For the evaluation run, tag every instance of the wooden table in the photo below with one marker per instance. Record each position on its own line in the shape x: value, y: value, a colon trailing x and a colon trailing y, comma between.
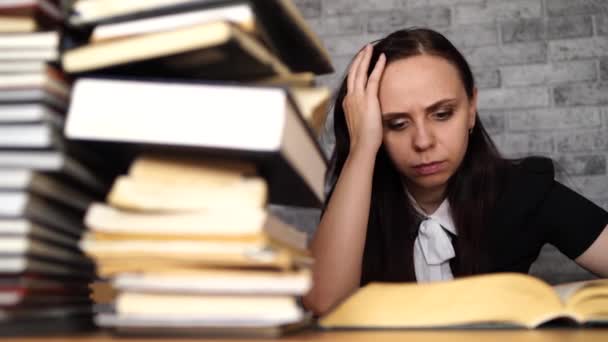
x: 543, y: 335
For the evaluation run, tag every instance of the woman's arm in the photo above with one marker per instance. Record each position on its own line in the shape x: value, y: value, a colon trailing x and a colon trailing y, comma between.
x: 595, y: 258
x: 340, y: 237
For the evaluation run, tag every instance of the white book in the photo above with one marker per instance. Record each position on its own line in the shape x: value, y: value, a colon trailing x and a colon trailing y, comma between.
x: 46, y: 185
x: 53, y: 161
x: 93, y: 10
x: 36, y: 40
x: 40, y: 135
x: 25, y: 205
x: 19, y: 66
x: 209, y: 116
x: 25, y: 227
x: 45, y: 54
x: 212, y: 281
x: 30, y: 113
x: 21, y: 264
x: 240, y: 14
x: 23, y: 245
x: 33, y: 95
x: 46, y: 80
x: 211, y: 308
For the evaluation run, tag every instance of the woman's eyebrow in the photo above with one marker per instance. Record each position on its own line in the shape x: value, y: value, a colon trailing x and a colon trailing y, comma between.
x: 433, y: 107
x: 439, y: 104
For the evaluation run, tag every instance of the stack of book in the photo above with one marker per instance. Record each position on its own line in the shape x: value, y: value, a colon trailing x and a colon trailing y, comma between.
x: 214, y: 102
x: 44, y: 189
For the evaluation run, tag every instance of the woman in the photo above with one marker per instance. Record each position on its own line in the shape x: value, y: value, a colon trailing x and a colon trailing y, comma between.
x: 420, y: 192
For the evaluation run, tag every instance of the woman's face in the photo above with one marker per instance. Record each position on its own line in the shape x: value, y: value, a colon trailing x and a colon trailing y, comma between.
x: 426, y: 116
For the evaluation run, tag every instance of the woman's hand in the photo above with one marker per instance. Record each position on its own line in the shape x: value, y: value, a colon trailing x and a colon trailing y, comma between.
x: 361, y: 105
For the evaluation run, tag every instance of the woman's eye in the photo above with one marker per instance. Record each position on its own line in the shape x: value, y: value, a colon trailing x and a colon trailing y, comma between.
x: 397, y: 124
x: 443, y: 115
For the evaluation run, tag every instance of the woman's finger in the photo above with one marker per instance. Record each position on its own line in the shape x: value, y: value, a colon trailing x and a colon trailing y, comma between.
x: 361, y: 75
x: 374, y: 77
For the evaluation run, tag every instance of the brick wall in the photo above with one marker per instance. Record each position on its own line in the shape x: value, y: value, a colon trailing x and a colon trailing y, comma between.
x: 541, y: 67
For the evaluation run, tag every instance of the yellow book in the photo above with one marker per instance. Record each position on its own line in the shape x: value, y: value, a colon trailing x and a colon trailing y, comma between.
x: 184, y: 171
x: 132, y: 194
x: 108, y: 266
x: 506, y: 299
x: 254, y: 225
x: 313, y: 103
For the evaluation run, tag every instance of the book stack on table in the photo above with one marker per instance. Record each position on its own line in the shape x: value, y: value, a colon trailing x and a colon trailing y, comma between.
x: 46, y: 183
x: 214, y: 105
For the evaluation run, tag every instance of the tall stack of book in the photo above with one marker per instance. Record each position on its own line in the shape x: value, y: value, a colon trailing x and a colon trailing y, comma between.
x: 214, y: 101
x: 44, y: 189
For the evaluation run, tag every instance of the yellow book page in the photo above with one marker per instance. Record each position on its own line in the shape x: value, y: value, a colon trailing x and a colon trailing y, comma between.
x: 109, y: 266
x: 159, y: 168
x: 588, y: 300
x: 300, y: 79
x: 497, y: 298
x: 313, y: 104
x: 130, y: 194
x: 110, y: 223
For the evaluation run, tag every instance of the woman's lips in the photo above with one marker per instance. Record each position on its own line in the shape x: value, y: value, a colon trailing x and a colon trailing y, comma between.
x: 429, y: 169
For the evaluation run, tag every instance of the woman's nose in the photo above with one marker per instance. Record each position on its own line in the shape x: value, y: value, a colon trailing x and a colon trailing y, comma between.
x: 423, y: 138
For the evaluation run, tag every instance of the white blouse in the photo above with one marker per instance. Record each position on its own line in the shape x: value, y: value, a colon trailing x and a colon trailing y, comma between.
x: 433, y: 247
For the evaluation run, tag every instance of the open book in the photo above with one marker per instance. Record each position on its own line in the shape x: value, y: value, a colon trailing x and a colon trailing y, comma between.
x: 507, y: 299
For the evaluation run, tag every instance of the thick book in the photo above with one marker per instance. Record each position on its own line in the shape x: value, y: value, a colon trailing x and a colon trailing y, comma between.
x: 35, y: 40
x: 214, y: 50
x: 240, y: 14
x: 51, y: 79
x: 36, y: 231
x: 23, y: 205
x: 171, y: 326
x: 40, y: 135
x: 54, y: 162
x: 30, y: 113
x: 220, y: 308
x: 251, y: 224
x: 15, y: 265
x: 22, y: 66
x: 133, y: 194
x: 28, y: 247
x: 259, y: 124
x: 167, y: 183
x: 281, y: 20
x: 507, y: 300
x: 110, y: 263
x: 217, y: 281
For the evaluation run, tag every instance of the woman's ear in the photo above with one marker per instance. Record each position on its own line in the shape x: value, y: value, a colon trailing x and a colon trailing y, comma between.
x: 472, y: 109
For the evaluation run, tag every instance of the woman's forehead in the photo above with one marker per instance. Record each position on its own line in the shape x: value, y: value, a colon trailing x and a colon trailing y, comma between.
x: 419, y: 81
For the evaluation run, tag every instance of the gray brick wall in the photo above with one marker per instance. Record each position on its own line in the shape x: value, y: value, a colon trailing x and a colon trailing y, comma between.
x: 542, y: 70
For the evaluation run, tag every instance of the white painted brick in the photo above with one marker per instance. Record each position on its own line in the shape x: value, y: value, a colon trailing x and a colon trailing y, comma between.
x: 498, y: 10
x: 471, y: 35
x: 572, y: 94
x: 517, y: 145
x: 513, y: 98
x: 567, y: 49
x: 554, y: 118
x: 589, y: 186
x: 520, y: 53
x: 339, y: 7
x: 526, y: 75
x: 583, y: 141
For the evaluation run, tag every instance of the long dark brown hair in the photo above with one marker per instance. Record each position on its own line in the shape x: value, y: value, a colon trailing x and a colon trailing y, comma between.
x: 472, y: 190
